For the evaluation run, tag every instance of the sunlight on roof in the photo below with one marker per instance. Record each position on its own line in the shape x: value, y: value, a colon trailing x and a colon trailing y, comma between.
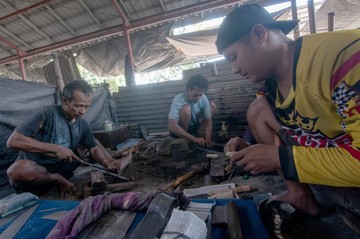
x: 209, y: 24
x: 214, y: 23
x: 280, y: 6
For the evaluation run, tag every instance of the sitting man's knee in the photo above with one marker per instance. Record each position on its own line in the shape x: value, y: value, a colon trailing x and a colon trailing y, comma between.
x: 260, y: 114
x: 258, y: 107
x: 21, y: 170
x: 185, y: 110
x: 212, y: 107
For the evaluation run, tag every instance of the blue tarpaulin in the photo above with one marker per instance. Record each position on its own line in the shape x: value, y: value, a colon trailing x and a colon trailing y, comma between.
x: 38, y: 227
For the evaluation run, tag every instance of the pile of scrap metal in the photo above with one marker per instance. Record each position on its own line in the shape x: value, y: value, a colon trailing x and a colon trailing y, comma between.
x: 131, y: 146
x: 152, y: 150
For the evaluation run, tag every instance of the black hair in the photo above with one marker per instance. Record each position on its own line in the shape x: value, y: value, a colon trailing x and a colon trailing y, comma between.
x: 80, y: 85
x: 197, y: 80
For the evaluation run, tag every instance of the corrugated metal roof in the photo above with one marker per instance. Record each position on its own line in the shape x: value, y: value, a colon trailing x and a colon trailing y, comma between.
x: 53, y: 21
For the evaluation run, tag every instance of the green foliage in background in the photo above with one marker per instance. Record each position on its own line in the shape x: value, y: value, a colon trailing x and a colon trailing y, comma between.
x: 167, y: 74
x: 113, y: 81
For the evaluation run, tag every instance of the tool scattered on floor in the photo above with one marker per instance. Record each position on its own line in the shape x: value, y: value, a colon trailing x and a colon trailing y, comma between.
x: 98, y: 182
x: 114, y: 224
x: 103, y: 170
x: 229, y: 215
x: 230, y: 193
x: 99, y: 168
x: 117, y: 187
x: 156, y: 217
x: 180, y: 180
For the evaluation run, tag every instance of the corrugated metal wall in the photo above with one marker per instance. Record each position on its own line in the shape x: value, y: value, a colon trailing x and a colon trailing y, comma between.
x: 148, y: 105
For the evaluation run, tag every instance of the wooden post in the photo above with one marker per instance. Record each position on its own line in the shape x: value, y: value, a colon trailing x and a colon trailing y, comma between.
x: 71, y: 66
x: 331, y: 21
x: 295, y: 17
x: 21, y: 66
x: 312, y: 20
x: 58, y: 74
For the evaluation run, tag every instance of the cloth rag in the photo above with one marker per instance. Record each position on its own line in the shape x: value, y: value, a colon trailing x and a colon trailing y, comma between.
x: 15, y: 202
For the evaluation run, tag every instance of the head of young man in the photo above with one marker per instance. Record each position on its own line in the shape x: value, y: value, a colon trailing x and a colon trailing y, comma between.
x: 244, y: 40
x: 76, y: 99
x: 196, y: 87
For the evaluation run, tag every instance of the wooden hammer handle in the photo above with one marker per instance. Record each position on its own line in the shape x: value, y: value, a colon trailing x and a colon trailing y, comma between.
x: 187, y: 176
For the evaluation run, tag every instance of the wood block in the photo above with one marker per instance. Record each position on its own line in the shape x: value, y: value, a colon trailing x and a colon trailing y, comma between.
x: 117, y: 187
x: 216, y: 168
x: 110, y: 139
x: 98, y: 182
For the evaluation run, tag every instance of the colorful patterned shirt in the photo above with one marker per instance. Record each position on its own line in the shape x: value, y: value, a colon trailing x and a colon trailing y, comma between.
x: 322, y: 111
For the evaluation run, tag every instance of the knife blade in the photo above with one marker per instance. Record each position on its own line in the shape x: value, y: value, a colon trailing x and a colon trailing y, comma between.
x: 103, y: 170
x: 99, y: 168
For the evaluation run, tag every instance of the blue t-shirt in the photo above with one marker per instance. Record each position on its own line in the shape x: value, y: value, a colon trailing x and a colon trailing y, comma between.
x: 200, y: 109
x: 49, y: 125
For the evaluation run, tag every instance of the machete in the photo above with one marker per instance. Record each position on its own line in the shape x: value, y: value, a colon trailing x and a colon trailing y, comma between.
x: 99, y: 168
x: 103, y: 170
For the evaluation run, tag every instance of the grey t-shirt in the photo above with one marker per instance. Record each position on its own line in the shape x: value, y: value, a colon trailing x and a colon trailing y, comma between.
x: 49, y: 125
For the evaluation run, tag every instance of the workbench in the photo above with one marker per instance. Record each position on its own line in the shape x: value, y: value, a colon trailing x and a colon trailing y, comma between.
x: 110, y: 139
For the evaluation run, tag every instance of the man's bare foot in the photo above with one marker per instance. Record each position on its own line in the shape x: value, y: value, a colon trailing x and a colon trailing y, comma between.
x: 300, y: 200
x: 65, y: 187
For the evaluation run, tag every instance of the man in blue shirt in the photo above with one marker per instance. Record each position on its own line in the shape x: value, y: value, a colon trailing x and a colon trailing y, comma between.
x: 191, y: 111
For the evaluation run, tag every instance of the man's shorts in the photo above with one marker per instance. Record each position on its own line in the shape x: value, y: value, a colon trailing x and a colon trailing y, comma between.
x: 348, y: 198
x: 64, y: 168
x: 191, y: 130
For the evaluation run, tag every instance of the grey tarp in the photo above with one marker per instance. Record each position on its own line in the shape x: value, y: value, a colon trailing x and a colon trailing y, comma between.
x: 202, y: 43
x: 196, y: 44
x: 150, y: 51
x: 18, y: 99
